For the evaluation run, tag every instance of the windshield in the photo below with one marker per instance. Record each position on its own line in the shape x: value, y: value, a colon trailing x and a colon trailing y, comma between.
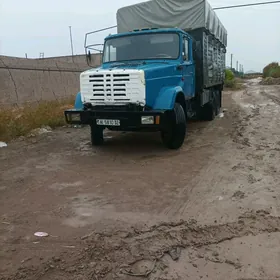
x: 141, y: 47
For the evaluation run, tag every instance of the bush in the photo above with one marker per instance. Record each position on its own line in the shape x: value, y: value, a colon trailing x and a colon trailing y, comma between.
x: 17, y: 122
x: 230, y: 81
x: 272, y: 70
x: 275, y: 72
x: 229, y: 75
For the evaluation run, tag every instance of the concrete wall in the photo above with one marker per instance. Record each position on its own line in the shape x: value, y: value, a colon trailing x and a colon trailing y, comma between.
x: 32, y: 80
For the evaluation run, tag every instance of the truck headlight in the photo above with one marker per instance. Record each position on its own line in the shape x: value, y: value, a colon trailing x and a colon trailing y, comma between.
x: 74, y: 117
x: 147, y: 120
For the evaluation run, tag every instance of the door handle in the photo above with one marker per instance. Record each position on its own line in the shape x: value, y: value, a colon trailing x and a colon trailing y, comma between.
x: 179, y: 67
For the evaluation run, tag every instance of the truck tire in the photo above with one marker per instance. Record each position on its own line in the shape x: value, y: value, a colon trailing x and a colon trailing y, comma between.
x: 208, y: 111
x: 174, y: 137
x: 218, y: 102
x: 96, y: 134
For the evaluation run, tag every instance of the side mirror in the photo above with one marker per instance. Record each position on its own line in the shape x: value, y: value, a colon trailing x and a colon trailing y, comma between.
x: 88, y: 55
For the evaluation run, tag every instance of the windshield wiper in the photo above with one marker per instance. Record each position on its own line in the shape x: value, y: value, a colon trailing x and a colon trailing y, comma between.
x: 137, y: 63
x: 128, y: 63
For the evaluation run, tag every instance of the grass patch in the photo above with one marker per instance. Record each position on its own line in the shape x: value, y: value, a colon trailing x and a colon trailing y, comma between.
x: 231, y: 82
x: 18, y: 122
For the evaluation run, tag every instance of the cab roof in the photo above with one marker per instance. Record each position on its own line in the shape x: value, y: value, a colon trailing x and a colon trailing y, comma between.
x: 148, y: 31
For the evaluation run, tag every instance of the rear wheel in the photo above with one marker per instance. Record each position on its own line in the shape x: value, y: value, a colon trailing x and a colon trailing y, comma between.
x: 173, y: 137
x: 209, y: 111
x: 218, y: 102
x: 96, y: 134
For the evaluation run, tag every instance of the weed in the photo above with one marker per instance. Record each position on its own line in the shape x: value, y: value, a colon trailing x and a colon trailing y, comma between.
x: 231, y: 82
x: 15, y: 122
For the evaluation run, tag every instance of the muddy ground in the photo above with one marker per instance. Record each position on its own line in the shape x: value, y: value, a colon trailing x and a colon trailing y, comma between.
x: 134, y: 210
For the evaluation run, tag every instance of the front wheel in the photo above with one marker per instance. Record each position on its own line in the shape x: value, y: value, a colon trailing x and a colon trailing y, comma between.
x: 96, y: 134
x: 173, y: 137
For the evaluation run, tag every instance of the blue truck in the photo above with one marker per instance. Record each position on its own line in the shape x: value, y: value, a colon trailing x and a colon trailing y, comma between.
x: 165, y: 65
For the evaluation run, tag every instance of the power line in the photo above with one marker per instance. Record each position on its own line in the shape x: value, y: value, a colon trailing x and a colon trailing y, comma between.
x: 218, y: 8
x: 246, y: 5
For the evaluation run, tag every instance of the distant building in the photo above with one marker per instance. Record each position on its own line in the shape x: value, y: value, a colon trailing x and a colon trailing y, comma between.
x: 251, y: 72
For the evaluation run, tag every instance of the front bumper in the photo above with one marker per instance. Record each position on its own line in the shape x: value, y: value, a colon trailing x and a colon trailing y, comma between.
x: 127, y: 120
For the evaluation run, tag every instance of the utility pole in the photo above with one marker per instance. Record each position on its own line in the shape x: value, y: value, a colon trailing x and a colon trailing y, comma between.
x: 71, y: 42
x: 231, y: 57
x: 237, y: 66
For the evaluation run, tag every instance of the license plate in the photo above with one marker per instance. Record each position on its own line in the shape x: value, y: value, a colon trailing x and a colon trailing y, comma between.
x: 108, y: 122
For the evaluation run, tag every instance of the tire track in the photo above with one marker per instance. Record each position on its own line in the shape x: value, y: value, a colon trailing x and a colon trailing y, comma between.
x: 111, y: 252
x: 272, y: 97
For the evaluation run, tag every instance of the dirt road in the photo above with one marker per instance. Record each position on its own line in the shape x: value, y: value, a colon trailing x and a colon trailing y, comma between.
x: 133, y: 210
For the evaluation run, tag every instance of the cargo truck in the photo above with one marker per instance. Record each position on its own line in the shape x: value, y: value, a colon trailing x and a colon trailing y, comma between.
x: 165, y: 65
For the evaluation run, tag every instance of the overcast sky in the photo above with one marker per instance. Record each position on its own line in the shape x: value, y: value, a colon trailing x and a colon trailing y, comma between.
x: 34, y: 26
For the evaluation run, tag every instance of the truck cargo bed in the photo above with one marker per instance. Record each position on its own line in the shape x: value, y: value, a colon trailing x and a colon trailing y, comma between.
x: 209, y: 56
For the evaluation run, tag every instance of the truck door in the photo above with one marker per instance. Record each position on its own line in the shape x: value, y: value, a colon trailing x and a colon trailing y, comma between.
x: 188, y: 69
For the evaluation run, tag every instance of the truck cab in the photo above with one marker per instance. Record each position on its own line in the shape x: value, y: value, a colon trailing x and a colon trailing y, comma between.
x: 145, y: 75
x: 142, y: 68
